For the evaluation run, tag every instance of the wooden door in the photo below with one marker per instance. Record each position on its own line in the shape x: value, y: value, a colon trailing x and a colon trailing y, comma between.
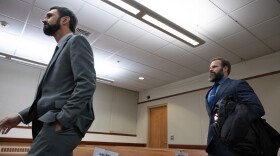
x: 158, y: 127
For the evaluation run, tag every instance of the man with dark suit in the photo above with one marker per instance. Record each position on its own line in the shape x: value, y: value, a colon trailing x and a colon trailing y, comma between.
x: 224, y: 86
x: 62, y: 111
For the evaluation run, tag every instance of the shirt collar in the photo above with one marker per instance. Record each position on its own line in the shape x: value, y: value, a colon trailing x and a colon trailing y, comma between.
x: 63, y: 39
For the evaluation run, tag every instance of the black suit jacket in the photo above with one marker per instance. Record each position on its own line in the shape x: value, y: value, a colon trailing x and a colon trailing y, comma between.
x: 242, y: 90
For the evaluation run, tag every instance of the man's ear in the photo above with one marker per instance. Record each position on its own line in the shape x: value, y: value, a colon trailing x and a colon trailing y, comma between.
x: 225, y: 69
x: 65, y: 20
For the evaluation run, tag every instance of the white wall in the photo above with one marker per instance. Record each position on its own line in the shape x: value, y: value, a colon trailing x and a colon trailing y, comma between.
x: 187, y: 117
x: 115, y: 108
x: 266, y: 64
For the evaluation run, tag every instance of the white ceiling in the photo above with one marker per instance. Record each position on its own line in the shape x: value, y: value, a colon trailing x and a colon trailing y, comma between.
x: 125, y: 48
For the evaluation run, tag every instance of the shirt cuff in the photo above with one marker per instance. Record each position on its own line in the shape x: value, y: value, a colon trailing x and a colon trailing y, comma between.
x: 21, y: 117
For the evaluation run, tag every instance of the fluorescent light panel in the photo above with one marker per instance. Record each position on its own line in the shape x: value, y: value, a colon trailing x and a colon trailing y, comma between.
x: 99, y: 79
x: 28, y: 62
x: 156, y: 20
x: 104, y: 80
x: 125, y: 6
x: 169, y: 29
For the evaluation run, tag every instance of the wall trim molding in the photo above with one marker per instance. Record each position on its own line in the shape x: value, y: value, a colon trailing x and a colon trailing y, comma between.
x: 177, y: 146
x: 91, y: 132
x: 195, y: 90
x: 27, y: 140
x: 180, y: 146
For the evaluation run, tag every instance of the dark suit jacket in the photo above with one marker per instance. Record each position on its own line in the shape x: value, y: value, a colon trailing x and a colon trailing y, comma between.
x: 242, y: 90
x: 65, y: 92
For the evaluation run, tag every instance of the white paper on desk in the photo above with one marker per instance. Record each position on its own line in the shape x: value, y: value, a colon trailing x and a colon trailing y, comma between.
x: 103, y: 152
x: 180, y: 153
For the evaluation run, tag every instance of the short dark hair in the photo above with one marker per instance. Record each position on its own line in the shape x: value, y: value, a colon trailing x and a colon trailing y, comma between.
x: 225, y: 63
x: 66, y: 12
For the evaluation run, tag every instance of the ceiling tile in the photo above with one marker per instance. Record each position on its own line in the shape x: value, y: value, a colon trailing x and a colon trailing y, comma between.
x: 273, y: 42
x: 118, y: 61
x: 230, y: 5
x: 238, y: 40
x: 149, y: 42
x: 185, y: 73
x: 28, y: 1
x: 211, y: 51
x: 131, y: 75
x: 129, y: 84
x: 138, y: 67
x: 105, y: 7
x: 93, y: 34
x: 100, y: 55
x: 36, y: 17
x: 108, y: 69
x: 14, y: 26
x: 33, y: 33
x: 188, y: 60
x: 108, y: 43
x: 120, y: 29
x: 75, y: 5
x: 222, y: 28
x: 132, y: 53
x: 161, y: 75
x: 15, y: 9
x: 8, y: 43
x: 152, y: 60
x: 152, y: 82
x: 34, y: 50
x: 200, y: 67
x: 170, y: 52
x: 170, y: 67
x: 253, y: 50
x: 256, y: 12
x: 267, y: 29
x: 98, y: 20
x: 207, y: 12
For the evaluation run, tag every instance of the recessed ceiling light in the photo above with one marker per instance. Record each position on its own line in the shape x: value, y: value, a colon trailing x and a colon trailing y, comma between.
x: 141, y: 78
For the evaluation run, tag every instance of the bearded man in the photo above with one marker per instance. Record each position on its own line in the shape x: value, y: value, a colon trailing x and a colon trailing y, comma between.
x: 62, y: 110
x: 223, y: 87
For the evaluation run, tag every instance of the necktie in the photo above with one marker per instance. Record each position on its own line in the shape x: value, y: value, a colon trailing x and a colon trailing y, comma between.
x: 212, y: 95
x: 56, y: 48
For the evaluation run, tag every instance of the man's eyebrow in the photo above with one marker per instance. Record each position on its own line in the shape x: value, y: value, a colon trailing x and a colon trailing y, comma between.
x: 49, y: 14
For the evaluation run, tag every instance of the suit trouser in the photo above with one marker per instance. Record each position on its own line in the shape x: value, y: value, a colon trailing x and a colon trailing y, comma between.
x: 52, y: 143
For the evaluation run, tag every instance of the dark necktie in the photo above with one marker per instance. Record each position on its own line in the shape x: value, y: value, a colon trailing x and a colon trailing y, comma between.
x: 56, y: 48
x: 212, y: 95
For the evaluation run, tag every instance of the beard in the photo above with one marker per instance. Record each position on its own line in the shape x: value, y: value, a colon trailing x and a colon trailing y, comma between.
x: 216, y: 77
x: 51, y: 29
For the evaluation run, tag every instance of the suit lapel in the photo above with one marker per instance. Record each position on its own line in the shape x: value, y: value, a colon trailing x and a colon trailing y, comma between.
x: 207, y: 104
x: 54, y: 58
x: 57, y: 54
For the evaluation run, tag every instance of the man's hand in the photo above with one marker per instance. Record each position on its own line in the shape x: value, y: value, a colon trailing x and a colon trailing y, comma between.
x: 58, y: 126
x: 216, y: 117
x: 8, y: 123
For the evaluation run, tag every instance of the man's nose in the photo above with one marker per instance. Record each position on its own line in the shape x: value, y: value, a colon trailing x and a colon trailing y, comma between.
x: 44, y: 21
